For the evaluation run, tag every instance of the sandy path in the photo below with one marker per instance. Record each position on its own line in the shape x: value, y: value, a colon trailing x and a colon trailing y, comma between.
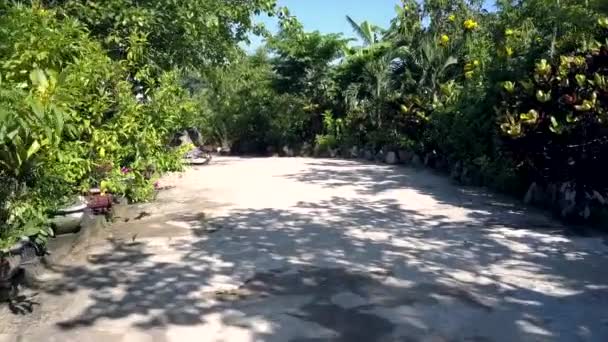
x: 316, y: 250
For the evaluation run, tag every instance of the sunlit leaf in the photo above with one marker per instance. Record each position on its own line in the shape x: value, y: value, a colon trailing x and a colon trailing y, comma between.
x: 33, y: 149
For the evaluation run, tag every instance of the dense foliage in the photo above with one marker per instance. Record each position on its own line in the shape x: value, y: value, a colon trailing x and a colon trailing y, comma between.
x: 505, y: 99
x: 92, y: 92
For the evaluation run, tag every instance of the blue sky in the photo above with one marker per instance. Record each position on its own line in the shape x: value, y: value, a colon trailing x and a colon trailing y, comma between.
x: 328, y: 16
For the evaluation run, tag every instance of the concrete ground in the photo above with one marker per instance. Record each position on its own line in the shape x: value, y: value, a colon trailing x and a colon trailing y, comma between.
x: 300, y: 249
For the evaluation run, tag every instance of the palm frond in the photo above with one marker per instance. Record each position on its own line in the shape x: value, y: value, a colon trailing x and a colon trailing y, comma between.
x: 364, y: 31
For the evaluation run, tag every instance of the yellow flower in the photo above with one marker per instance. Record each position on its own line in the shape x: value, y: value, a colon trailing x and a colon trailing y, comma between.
x: 468, y: 75
x: 452, y: 18
x: 509, y: 51
x: 470, y: 24
x: 476, y: 63
x: 445, y: 39
x: 508, y: 32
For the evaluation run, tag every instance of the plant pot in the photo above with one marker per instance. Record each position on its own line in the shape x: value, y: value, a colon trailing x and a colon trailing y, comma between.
x: 79, y: 205
x: 68, y: 219
x: 100, y: 204
x: 67, y: 224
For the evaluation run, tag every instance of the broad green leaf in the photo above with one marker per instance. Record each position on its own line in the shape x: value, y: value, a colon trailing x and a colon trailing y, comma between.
x: 11, y: 135
x: 30, y: 229
x: 34, y: 148
x: 37, y: 108
x: 38, y: 78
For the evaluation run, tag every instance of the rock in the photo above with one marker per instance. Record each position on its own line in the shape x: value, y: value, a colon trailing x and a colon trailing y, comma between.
x: 9, y: 266
x: 456, y: 171
x: 537, y: 195
x: 270, y: 150
x: 597, y: 196
x: 194, y: 153
x: 195, y: 136
x: 333, y: 152
x: 345, y: 152
x: 405, y: 156
x: 380, y: 156
x: 391, y: 158
x: 367, y: 154
x: 354, y: 152
x: 181, y: 139
x: 428, y: 159
x: 552, y: 192
x: 529, y: 197
x: 441, y: 163
x: 288, y: 151
x: 566, y: 208
x: 416, y: 161
x: 320, y: 153
x: 566, y: 200
x: 225, y: 151
x: 22, y: 253
x: 586, y: 212
x: 465, y: 177
x: 307, y: 149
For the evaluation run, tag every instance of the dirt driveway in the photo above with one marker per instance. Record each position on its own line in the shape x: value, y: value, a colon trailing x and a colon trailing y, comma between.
x: 301, y: 249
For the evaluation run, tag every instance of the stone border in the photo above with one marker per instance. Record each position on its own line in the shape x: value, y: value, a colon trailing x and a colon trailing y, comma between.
x: 58, y: 249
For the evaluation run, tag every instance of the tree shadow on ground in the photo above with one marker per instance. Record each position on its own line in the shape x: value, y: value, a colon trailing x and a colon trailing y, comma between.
x: 348, y: 269
x: 378, y: 179
x: 354, y: 269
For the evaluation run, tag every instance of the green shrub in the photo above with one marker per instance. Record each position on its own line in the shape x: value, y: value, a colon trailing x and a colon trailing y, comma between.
x: 67, y: 111
x: 325, y: 143
x: 556, y: 122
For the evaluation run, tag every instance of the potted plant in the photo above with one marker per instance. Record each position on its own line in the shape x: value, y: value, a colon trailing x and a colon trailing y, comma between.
x: 68, y: 218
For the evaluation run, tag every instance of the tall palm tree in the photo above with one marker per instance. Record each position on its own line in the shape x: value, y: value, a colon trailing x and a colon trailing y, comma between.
x: 367, y: 32
x: 425, y: 64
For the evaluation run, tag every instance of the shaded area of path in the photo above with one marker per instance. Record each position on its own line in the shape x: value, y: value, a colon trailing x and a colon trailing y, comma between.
x: 325, y: 250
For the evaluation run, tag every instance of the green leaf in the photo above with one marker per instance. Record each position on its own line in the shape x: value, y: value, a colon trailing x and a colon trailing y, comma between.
x: 39, y: 79
x: 554, y: 122
x: 30, y: 229
x: 530, y: 117
x: 37, y: 108
x: 543, y: 97
x: 580, y: 79
x: 59, y: 122
x: 555, y: 127
x: 35, y: 147
x: 13, y: 134
x: 508, y: 86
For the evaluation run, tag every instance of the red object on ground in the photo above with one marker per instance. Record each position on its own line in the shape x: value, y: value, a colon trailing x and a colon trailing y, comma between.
x: 100, y: 203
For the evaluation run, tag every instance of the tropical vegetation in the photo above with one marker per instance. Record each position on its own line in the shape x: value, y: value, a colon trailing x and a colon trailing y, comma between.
x: 91, y: 94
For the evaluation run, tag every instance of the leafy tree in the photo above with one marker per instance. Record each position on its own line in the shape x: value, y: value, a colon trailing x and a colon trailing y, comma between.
x: 167, y: 33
